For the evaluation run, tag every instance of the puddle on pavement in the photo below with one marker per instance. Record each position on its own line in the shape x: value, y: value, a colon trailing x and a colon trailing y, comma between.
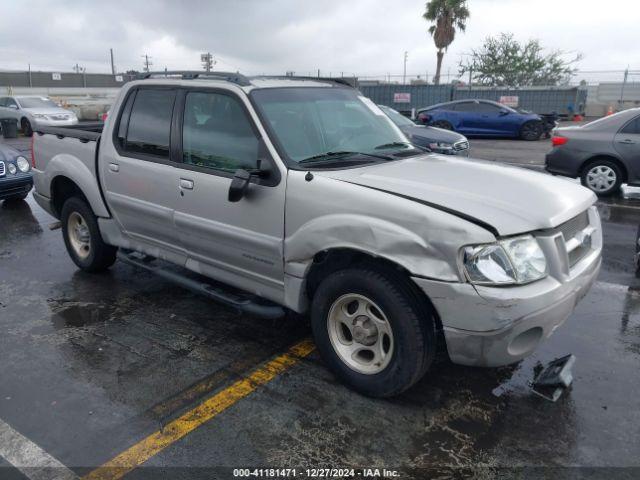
x: 74, y: 315
x: 80, y: 315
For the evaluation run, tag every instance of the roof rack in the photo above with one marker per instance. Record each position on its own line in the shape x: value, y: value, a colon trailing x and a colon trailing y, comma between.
x: 349, y: 82
x: 232, y: 77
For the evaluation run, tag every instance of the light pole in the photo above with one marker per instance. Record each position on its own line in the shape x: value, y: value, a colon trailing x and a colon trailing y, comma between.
x: 404, y: 73
x: 624, y: 83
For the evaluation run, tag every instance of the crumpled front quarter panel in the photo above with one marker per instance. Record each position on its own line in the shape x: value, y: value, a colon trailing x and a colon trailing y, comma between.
x: 325, y: 213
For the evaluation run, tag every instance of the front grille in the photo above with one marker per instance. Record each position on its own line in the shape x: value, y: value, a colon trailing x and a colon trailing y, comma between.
x: 578, y: 245
x: 461, y: 145
x: 578, y: 253
x: 571, y: 227
x: 2, y: 169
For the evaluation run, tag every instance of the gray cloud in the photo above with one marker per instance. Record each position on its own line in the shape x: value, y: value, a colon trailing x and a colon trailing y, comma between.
x: 354, y: 36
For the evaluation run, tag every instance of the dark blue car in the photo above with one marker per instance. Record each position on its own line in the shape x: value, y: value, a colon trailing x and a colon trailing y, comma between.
x: 15, y: 174
x: 483, y: 118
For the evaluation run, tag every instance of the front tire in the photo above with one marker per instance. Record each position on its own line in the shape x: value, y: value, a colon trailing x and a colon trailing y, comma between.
x: 26, y: 127
x: 373, y: 330
x: 83, y: 239
x: 531, y: 131
x: 603, y: 177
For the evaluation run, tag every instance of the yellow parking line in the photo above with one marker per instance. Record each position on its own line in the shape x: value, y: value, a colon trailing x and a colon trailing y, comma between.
x: 142, y: 451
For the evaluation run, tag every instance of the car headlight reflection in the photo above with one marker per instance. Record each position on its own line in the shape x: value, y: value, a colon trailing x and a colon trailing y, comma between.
x: 517, y: 260
x: 441, y: 146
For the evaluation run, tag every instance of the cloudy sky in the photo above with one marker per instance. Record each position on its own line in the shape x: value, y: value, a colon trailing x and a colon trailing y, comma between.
x: 363, y: 37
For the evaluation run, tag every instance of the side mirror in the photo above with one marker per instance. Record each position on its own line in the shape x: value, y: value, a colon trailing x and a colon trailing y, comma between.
x: 241, y: 180
x: 239, y: 185
x: 504, y: 112
x: 14, y: 106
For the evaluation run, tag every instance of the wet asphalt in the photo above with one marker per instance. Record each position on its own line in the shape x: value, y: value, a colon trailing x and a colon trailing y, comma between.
x: 91, y: 364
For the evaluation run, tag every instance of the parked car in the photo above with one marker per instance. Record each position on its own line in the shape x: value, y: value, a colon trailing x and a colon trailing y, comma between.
x: 604, y: 153
x: 435, y: 139
x: 15, y: 174
x: 30, y: 110
x: 301, y: 194
x: 483, y: 118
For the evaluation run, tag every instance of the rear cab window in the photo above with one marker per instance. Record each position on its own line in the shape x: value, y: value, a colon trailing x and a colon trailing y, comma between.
x: 144, y: 129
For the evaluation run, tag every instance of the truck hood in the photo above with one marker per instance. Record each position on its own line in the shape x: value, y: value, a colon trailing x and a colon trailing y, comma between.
x: 508, y: 200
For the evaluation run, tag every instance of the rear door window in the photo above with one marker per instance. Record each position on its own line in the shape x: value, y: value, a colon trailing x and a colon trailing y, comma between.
x: 633, y: 127
x: 149, y: 125
x: 463, y: 107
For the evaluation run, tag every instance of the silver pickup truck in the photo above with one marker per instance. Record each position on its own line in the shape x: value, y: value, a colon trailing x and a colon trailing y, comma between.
x: 291, y: 194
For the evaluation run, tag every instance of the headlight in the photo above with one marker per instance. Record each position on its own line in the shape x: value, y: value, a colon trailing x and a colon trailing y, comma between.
x: 40, y: 115
x: 515, y: 260
x: 12, y: 168
x: 23, y: 164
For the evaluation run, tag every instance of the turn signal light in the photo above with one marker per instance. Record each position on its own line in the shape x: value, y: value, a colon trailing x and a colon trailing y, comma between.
x: 557, y: 141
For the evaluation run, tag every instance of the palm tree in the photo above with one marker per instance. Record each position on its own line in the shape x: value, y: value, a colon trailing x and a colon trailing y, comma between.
x: 447, y: 16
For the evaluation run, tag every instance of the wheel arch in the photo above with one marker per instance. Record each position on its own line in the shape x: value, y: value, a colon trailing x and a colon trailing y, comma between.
x: 63, y: 188
x: 69, y: 174
x: 328, y: 261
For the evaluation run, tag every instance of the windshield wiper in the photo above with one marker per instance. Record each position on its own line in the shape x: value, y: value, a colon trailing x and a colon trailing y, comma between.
x: 394, y: 144
x: 326, y: 155
x: 330, y: 157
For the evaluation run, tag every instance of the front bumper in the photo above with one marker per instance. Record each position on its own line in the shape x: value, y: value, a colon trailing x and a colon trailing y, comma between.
x: 56, y: 123
x: 11, y: 186
x: 493, y: 326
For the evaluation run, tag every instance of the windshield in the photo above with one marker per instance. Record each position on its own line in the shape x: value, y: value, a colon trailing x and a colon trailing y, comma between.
x: 396, y: 117
x: 37, y: 102
x: 314, y: 121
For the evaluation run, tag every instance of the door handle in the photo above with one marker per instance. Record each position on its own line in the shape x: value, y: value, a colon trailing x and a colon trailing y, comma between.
x: 626, y: 141
x: 114, y: 167
x: 186, y: 184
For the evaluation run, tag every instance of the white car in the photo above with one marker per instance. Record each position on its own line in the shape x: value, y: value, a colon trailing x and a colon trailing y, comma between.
x: 31, y: 110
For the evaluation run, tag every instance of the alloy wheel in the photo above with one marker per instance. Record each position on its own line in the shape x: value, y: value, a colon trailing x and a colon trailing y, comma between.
x: 360, y: 333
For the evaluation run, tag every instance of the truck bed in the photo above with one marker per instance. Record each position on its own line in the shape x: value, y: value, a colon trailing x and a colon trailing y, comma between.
x: 82, y: 131
x: 69, y: 152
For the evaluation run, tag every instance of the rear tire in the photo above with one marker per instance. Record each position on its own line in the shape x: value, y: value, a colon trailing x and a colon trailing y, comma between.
x: 373, y: 330
x: 25, y: 125
x: 531, y: 131
x: 442, y: 124
x: 603, y: 177
x: 83, y: 239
